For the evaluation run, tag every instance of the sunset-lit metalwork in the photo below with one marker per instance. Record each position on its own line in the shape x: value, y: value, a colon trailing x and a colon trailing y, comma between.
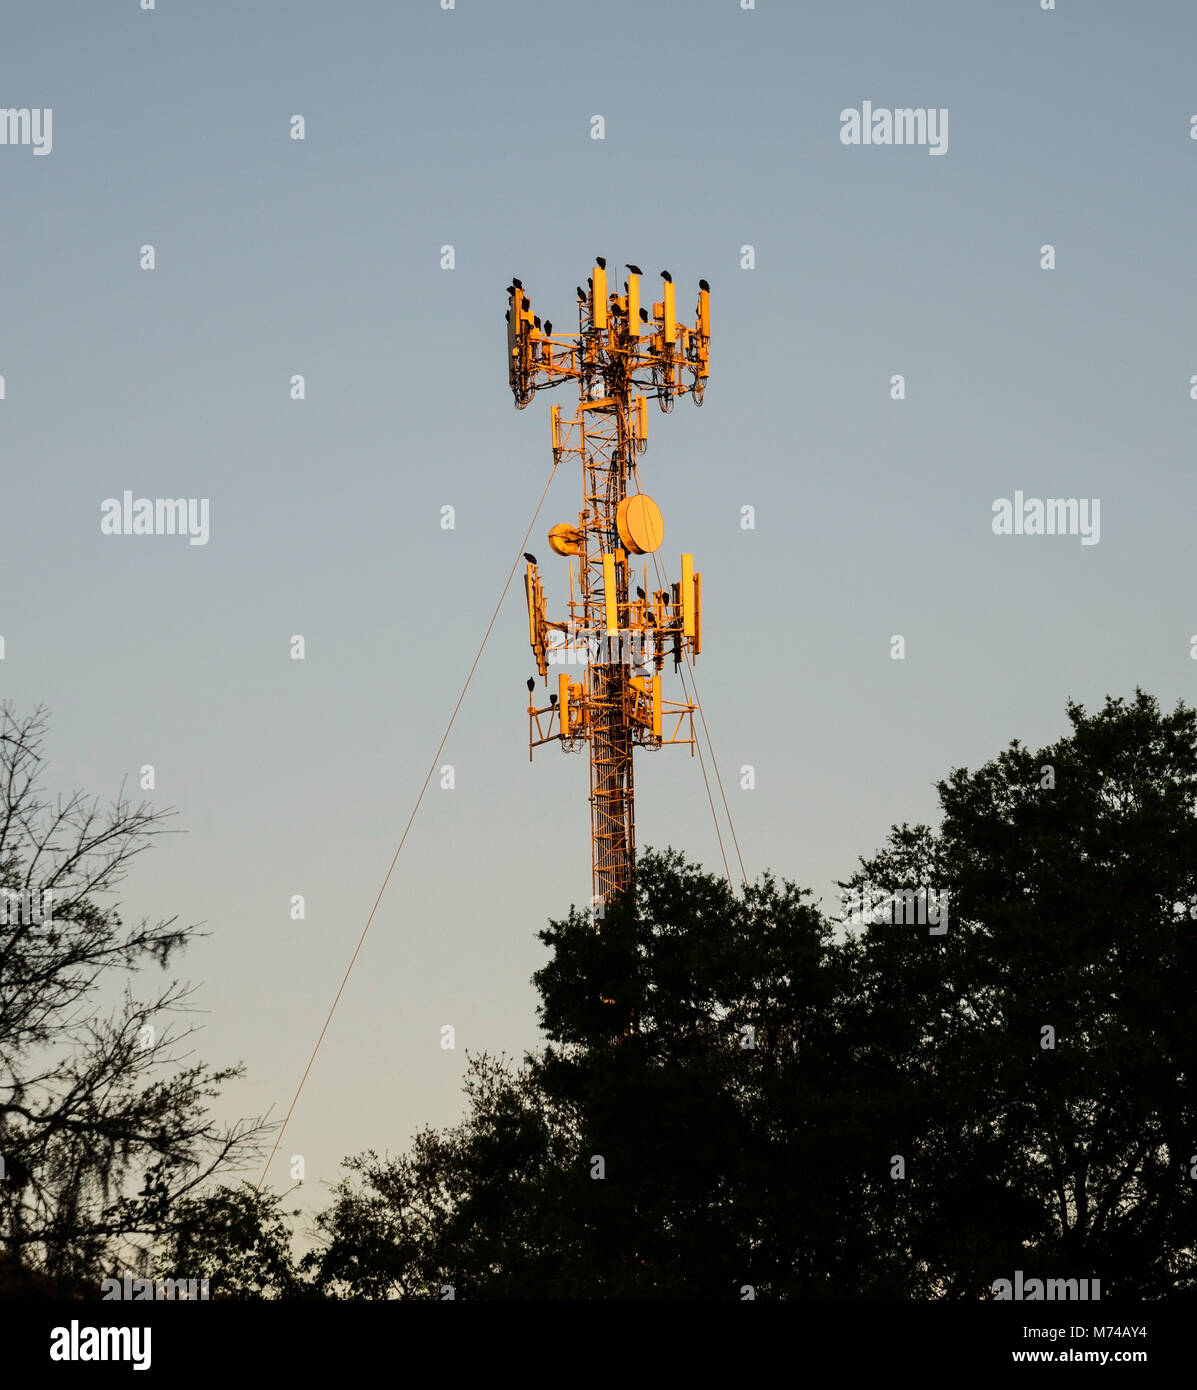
x: 612, y: 645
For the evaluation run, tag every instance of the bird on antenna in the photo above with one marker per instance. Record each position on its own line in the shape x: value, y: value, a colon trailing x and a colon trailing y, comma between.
x: 600, y: 262
x: 643, y: 315
x: 665, y: 275
x: 531, y: 559
x: 519, y: 284
x: 548, y: 325
x: 639, y: 592
x: 635, y: 269
x: 581, y: 292
x: 702, y: 285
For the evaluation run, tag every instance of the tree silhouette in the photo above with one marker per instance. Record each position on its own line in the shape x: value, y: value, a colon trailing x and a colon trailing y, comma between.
x: 883, y: 1109
x: 103, y: 1123
x: 1072, y: 873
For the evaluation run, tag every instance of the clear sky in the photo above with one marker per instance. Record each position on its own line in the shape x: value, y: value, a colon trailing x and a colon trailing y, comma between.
x: 472, y: 128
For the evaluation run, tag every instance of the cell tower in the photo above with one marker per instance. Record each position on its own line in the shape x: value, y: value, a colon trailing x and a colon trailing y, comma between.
x: 619, y: 632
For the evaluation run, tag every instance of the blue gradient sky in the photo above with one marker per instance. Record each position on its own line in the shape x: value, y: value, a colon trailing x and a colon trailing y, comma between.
x: 472, y: 127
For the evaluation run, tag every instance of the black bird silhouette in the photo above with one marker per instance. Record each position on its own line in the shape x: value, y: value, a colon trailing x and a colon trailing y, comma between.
x: 519, y: 284
x: 590, y: 281
x: 527, y: 304
x: 553, y: 701
x: 507, y: 315
x: 531, y: 559
x: 510, y: 289
x: 531, y: 685
x: 643, y: 315
x: 548, y: 325
x: 665, y: 275
x: 639, y: 592
x: 581, y: 292
x: 635, y: 269
x: 536, y: 320
x: 602, y: 264
x: 702, y: 285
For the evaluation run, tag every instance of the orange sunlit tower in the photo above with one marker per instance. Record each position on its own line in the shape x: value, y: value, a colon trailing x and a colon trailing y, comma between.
x: 610, y: 652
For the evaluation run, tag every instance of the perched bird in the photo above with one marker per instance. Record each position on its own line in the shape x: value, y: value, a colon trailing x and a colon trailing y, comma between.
x: 581, y: 292
x: 536, y: 320
x: 548, y: 325
x: 519, y: 284
x: 639, y: 592
x: 531, y: 685
x: 507, y: 315
x: 635, y: 269
x: 531, y: 559
x: 643, y: 315
x: 553, y: 701
x: 527, y: 304
x: 665, y: 275
x: 590, y: 281
x: 602, y: 264
x: 702, y: 285
x: 510, y: 289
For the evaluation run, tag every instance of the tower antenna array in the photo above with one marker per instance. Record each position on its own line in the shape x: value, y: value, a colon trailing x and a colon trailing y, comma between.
x: 618, y: 631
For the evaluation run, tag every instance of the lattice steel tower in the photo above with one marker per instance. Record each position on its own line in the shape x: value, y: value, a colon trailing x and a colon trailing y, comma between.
x: 614, y: 640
